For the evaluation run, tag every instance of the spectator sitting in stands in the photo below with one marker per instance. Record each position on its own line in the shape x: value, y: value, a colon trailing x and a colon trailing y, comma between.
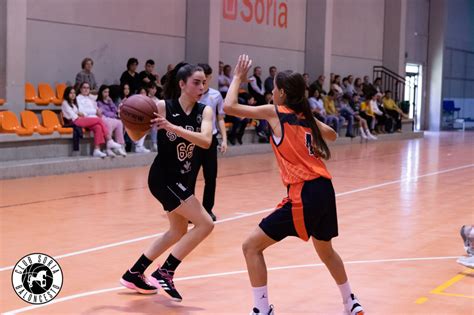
x: 346, y: 87
x: 169, y: 67
x: 350, y: 85
x: 142, y: 91
x: 332, y: 112
x: 367, y: 112
x: 336, y: 86
x: 263, y: 128
x: 71, y: 111
x: 393, y: 110
x: 320, y: 85
x: 110, y: 117
x: 306, y: 79
x: 148, y: 75
x: 130, y: 76
x: 368, y: 89
x: 365, y: 121
x: 221, y: 68
x: 346, y: 111
x: 86, y: 75
x: 358, y: 87
x: 378, y: 85
x: 269, y: 80
x: 256, y: 87
x: 152, y: 89
x: 317, y: 106
x: 224, y: 80
x: 237, y: 130
x: 124, y: 94
x: 380, y: 119
x: 385, y: 123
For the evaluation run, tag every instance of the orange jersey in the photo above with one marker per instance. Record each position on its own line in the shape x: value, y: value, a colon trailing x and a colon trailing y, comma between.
x: 294, y: 152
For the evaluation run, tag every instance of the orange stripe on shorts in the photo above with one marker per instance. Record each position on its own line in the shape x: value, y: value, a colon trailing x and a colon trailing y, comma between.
x: 297, y: 210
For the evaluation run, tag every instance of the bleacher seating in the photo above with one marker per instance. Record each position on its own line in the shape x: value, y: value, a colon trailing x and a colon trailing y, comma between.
x: 10, y: 124
x: 60, y: 88
x: 32, y: 97
x: 30, y: 121
x: 51, y: 120
x: 46, y: 92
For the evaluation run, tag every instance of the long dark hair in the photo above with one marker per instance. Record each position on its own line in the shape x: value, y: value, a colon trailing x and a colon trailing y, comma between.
x: 102, y: 88
x: 294, y: 86
x: 66, y: 96
x: 182, y: 71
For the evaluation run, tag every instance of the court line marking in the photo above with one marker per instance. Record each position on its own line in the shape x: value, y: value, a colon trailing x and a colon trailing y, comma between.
x: 440, y: 289
x: 220, y: 274
x: 93, y: 249
x: 421, y: 300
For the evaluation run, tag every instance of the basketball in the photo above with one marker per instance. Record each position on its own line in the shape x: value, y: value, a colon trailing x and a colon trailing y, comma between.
x: 136, y: 113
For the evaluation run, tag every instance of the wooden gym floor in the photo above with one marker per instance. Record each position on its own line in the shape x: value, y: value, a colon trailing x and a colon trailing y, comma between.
x: 400, y: 205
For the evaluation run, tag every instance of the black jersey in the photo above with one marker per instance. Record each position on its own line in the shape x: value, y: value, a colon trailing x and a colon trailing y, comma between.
x: 175, y: 153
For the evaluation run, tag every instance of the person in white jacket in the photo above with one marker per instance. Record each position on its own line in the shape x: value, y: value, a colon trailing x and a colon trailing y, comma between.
x: 86, y: 114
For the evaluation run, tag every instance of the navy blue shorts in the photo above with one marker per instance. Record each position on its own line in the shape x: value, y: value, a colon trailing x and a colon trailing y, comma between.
x: 171, y: 191
x: 309, y: 210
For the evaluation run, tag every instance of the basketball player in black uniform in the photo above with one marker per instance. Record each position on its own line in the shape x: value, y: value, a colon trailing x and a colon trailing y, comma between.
x: 182, y: 124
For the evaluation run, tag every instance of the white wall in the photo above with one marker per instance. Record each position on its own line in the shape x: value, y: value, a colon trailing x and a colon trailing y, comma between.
x: 417, y: 31
x: 357, y: 40
x: 266, y: 43
x: 59, y: 36
x: 458, y: 73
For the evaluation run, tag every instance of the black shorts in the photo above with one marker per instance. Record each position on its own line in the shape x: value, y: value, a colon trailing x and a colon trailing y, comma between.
x: 170, y: 191
x: 309, y: 210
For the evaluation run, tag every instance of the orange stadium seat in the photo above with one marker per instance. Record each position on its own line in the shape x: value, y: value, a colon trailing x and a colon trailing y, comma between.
x: 51, y: 120
x: 31, y: 97
x: 60, y: 88
x: 10, y: 124
x: 30, y: 121
x: 2, y: 101
x: 46, y: 92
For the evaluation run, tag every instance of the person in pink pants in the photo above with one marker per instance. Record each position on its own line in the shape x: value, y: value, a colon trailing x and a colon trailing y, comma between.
x: 71, y: 112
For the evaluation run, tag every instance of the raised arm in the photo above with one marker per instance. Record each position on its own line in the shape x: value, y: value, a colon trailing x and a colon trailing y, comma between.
x: 231, y: 104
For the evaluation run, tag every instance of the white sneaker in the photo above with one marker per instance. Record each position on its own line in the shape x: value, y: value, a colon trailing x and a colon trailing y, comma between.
x: 110, y: 153
x: 362, y: 134
x: 370, y: 136
x: 111, y: 144
x: 256, y: 311
x: 98, y: 153
x: 121, y: 152
x: 466, y: 261
x: 141, y: 149
x: 154, y: 147
x: 353, y: 307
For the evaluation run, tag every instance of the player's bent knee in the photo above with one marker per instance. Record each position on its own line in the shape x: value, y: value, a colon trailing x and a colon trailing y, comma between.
x: 248, y: 247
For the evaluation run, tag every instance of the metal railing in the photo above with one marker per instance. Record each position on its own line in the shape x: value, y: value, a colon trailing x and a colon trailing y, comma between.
x: 390, y: 81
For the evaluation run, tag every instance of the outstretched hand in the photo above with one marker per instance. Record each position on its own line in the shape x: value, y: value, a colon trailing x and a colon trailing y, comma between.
x: 242, y: 68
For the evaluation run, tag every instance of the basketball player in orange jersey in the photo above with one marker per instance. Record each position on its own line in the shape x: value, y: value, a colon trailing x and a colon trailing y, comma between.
x: 309, y: 210
x: 182, y: 123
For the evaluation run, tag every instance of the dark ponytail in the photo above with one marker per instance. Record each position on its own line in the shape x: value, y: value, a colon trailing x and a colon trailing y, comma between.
x: 294, y: 86
x: 182, y: 71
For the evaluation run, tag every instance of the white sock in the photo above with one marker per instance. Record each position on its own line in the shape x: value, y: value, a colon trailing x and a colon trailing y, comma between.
x: 260, y: 299
x: 346, y: 291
